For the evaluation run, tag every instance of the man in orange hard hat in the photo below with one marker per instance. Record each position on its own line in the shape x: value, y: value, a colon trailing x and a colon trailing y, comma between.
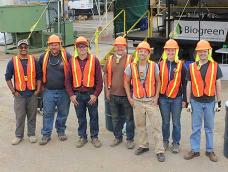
x: 84, y: 84
x: 120, y: 107
x: 203, y: 83
x: 172, y: 93
x: 27, y: 85
x: 54, y: 64
x: 144, y: 75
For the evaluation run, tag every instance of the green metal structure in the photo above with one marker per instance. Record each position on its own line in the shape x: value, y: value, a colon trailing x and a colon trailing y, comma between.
x: 19, y: 20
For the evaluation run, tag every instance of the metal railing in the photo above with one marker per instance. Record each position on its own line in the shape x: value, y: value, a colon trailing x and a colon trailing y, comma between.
x: 149, y: 33
x: 98, y: 33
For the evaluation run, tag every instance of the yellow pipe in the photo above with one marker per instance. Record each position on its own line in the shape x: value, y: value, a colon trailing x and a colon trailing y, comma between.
x: 97, y: 33
x: 112, y: 21
x: 148, y: 24
x: 133, y: 26
x: 124, y: 22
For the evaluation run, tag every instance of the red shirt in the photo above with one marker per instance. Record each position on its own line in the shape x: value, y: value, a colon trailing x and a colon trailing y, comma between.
x: 98, y: 78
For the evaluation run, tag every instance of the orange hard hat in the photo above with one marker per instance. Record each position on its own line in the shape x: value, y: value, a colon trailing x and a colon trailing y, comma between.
x: 144, y: 45
x: 54, y: 39
x: 171, y: 43
x: 81, y: 40
x: 203, y: 45
x: 120, y: 41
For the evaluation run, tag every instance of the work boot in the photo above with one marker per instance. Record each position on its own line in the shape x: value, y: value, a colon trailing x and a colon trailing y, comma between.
x: 161, y: 157
x: 81, y: 142
x: 44, y: 140
x: 141, y: 150
x: 62, y: 136
x: 16, y: 141
x: 212, y: 156
x: 175, y: 148
x: 191, y: 155
x: 166, y: 145
x: 96, y: 142
x: 116, y: 142
x: 32, y: 139
x: 130, y: 144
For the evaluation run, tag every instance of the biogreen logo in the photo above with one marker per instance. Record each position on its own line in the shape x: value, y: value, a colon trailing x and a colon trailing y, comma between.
x: 178, y: 29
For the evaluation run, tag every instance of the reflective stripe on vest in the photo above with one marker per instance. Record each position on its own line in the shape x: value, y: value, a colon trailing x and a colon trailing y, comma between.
x: 85, y: 78
x: 22, y: 81
x: 148, y: 88
x: 109, y: 69
x: 197, y: 82
x: 45, y: 63
x: 170, y: 88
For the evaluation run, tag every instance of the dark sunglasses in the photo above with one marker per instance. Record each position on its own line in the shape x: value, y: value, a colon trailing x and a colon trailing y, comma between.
x: 81, y: 46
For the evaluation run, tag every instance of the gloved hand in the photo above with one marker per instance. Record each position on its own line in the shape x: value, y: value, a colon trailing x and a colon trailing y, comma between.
x: 218, y: 106
x: 189, y: 107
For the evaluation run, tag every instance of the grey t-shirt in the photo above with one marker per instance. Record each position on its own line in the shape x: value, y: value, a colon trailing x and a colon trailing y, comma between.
x: 203, y: 71
x: 142, y: 74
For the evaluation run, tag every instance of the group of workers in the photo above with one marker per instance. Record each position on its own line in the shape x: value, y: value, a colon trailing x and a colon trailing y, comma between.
x: 136, y: 87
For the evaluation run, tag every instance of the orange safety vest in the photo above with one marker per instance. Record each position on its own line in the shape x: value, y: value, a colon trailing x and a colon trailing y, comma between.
x: 109, y: 69
x: 170, y: 88
x: 206, y: 86
x: 22, y: 81
x: 148, y: 88
x: 85, y: 78
x: 45, y: 63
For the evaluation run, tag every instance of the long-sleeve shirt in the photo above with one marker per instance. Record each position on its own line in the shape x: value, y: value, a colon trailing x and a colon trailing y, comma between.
x: 98, y: 85
x: 10, y: 74
x: 171, y: 68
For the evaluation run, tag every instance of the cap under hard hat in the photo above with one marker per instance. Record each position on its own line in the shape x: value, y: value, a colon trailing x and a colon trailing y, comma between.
x: 23, y: 41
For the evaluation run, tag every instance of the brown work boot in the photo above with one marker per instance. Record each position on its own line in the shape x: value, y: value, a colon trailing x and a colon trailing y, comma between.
x: 212, y: 156
x: 130, y: 144
x: 96, y: 142
x: 191, y: 155
x: 81, y: 142
x: 116, y: 142
x: 62, y: 136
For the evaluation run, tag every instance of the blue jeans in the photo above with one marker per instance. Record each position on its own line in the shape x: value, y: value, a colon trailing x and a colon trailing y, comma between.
x: 170, y: 107
x: 83, y: 99
x: 122, y: 111
x: 51, y: 100
x: 200, y: 111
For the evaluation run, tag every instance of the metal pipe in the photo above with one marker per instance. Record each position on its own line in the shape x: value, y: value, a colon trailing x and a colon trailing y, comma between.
x: 5, y: 41
x: 169, y: 27
x: 106, y: 11
x: 64, y: 24
x: 58, y: 6
x: 225, y: 151
x: 114, y: 9
x: 200, y: 15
